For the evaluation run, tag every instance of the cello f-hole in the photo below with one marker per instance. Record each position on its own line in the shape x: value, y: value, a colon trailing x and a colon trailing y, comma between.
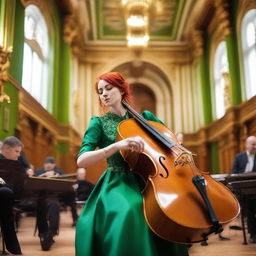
x: 166, y: 170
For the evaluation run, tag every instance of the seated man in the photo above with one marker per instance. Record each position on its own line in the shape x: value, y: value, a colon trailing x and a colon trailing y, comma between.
x: 82, y: 187
x: 245, y: 162
x: 48, y: 212
x: 11, y: 149
x: 49, y: 169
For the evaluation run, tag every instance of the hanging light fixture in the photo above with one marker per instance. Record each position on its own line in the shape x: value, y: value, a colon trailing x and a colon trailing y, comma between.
x: 137, y: 20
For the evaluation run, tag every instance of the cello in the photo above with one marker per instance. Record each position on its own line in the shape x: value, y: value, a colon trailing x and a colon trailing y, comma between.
x: 181, y: 203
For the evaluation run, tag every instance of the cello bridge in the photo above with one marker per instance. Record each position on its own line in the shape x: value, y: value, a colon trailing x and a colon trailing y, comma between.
x: 182, y: 159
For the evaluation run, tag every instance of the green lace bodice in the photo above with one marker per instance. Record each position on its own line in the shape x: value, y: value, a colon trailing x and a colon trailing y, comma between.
x: 102, y: 132
x: 109, y: 123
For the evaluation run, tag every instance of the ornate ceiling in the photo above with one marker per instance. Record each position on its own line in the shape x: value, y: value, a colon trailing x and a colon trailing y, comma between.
x: 163, y: 14
x: 107, y: 23
x: 175, y: 25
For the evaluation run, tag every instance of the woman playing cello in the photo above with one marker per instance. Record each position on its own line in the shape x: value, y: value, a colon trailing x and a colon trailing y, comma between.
x: 112, y: 222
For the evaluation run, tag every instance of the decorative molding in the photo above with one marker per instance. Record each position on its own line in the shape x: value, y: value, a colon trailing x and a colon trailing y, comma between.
x: 220, y: 23
x: 196, y: 42
x: 70, y: 30
x: 102, y: 54
x: 227, y: 90
x: 4, y: 66
x: 200, y: 16
x: 197, y: 24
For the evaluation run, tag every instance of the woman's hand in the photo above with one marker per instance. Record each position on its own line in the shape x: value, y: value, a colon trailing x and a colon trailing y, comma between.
x: 48, y: 174
x: 75, y: 186
x: 135, y: 144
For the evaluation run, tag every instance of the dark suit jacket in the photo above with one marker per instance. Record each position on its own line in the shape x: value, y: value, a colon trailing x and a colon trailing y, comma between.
x: 13, y: 174
x: 84, y: 189
x: 20, y: 161
x: 240, y: 162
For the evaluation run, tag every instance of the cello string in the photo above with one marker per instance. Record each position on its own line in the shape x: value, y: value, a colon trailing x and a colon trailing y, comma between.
x: 166, y: 141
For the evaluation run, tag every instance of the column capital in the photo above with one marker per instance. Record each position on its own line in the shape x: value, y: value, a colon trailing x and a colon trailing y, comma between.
x: 222, y: 16
x: 4, y: 66
x: 70, y: 30
x: 196, y: 42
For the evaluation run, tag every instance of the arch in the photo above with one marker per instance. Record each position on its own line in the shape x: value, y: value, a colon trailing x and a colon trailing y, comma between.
x: 46, y: 12
x: 151, y: 76
x: 248, y: 52
x: 243, y: 8
x: 128, y: 57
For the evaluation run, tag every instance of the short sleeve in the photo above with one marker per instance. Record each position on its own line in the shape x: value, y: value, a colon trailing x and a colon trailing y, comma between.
x: 151, y: 117
x: 92, y: 136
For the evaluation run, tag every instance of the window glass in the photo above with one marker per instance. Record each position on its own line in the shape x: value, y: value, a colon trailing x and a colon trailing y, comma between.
x: 248, y: 35
x: 35, y: 61
x: 220, y: 68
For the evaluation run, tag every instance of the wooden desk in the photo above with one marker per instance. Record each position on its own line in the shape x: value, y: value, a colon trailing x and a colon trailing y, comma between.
x: 29, y: 187
x: 243, y: 185
x: 243, y: 189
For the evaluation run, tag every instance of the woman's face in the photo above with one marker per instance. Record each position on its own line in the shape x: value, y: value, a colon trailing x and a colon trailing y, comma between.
x: 109, y: 94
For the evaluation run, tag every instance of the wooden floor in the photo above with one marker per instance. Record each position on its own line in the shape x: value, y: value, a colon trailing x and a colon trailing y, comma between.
x: 232, y: 247
x: 64, y: 243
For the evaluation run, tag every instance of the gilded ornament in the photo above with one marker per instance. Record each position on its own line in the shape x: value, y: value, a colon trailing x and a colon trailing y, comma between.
x: 4, y: 65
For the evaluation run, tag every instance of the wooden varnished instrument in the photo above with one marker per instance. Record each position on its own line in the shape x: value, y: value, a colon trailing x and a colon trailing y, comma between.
x: 181, y: 203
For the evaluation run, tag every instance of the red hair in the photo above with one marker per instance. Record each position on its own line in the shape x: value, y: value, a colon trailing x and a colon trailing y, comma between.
x: 117, y: 80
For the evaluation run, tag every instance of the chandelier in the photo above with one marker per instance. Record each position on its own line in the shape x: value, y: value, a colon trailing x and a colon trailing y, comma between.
x: 137, y: 21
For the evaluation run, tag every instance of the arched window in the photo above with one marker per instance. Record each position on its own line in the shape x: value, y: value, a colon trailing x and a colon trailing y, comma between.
x: 220, y: 69
x: 248, y: 35
x: 35, y: 61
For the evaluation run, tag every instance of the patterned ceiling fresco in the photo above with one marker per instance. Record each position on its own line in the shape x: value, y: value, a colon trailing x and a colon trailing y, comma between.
x: 164, y: 19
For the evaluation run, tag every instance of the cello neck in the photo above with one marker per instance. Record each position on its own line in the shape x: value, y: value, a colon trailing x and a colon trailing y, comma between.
x: 148, y: 127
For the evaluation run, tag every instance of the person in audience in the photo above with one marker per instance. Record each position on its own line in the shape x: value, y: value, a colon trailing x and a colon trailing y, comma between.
x: 10, y: 149
x: 49, y: 169
x: 245, y: 162
x: 82, y: 187
x: 48, y: 212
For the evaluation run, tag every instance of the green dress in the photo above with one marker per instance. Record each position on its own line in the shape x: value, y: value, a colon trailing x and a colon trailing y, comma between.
x: 112, y: 222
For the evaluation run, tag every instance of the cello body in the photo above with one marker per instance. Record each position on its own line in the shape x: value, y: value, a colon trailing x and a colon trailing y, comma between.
x: 173, y: 207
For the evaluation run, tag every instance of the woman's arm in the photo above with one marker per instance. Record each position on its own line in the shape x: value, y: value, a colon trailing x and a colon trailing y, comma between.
x: 135, y: 144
